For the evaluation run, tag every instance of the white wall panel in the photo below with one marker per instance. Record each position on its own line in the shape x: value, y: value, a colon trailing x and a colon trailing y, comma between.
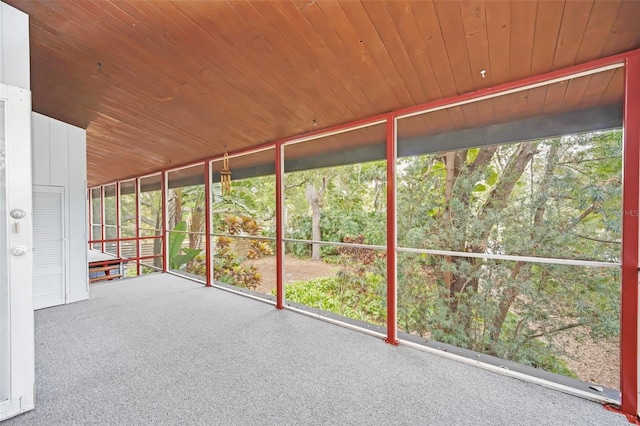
x: 77, y: 199
x: 14, y: 47
x: 40, y: 149
x: 59, y: 159
x: 59, y: 152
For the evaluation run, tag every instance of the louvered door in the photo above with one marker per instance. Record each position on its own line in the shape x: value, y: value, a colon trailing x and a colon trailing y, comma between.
x: 48, y: 246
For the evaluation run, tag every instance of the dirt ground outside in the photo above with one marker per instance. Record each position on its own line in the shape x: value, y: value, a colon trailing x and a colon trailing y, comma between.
x: 594, y: 362
x: 295, y: 270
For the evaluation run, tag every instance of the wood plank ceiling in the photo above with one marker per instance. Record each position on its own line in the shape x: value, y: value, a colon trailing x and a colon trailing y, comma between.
x: 158, y: 84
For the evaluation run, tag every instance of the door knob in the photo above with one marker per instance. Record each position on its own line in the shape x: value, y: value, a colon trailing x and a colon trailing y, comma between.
x: 18, y: 251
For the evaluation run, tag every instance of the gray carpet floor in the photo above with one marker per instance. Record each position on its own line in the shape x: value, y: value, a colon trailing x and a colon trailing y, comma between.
x: 161, y: 350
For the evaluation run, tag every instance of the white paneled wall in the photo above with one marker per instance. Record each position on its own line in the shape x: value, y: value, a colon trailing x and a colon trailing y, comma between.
x: 59, y: 160
x: 14, y: 47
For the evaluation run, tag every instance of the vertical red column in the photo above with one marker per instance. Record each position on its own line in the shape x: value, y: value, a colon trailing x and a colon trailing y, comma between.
x: 90, y: 216
x: 279, y: 227
x: 207, y: 224
x: 138, y: 254
x: 630, y: 239
x: 392, y: 294
x: 102, y: 218
x: 118, y: 235
x: 165, y: 215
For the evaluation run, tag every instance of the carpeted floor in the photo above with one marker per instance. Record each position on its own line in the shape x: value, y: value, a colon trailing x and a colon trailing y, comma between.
x: 161, y: 350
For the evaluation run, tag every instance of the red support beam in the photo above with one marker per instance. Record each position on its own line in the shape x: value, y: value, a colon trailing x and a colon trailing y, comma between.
x: 207, y: 223
x: 279, y: 227
x: 118, y: 224
x: 90, y: 215
x: 630, y: 239
x: 102, y: 235
x: 392, y: 293
x: 138, y: 226
x: 165, y: 216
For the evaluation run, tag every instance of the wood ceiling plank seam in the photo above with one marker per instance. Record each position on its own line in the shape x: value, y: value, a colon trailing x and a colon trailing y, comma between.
x: 450, y: 18
x: 384, y: 27
x: 452, y: 28
x: 127, y: 70
x: 474, y: 23
x: 426, y: 20
x: 575, y: 91
x: 598, y: 27
x: 572, y: 28
x: 85, y: 25
x: 317, y: 45
x: 405, y: 23
x: 470, y: 111
x: 597, y: 84
x: 555, y: 95
x: 233, y: 70
x: 230, y: 19
x: 498, y: 16
x: 475, y: 27
x: 82, y: 120
x: 248, y: 99
x: 324, y: 86
x: 345, y: 30
x: 615, y: 89
x: 523, y: 17
x: 362, y: 24
x: 306, y: 58
x: 518, y: 101
x: 158, y: 123
x: 546, y: 35
x: 421, y: 70
x: 625, y: 33
x: 247, y: 96
x: 536, y: 100
x: 425, y: 17
x: 377, y: 93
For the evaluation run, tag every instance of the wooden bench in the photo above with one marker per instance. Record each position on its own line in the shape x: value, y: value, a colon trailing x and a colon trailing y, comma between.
x: 104, y: 278
x: 107, y: 273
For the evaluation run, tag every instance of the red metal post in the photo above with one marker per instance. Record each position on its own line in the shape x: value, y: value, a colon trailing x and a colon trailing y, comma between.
x: 165, y: 216
x: 279, y: 226
x: 102, y: 234
x: 138, y: 251
x: 90, y: 216
x: 207, y: 224
x: 630, y: 239
x: 392, y: 294
x: 118, y: 233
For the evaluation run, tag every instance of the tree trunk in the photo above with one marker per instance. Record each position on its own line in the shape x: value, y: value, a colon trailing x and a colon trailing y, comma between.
x: 510, y: 294
x: 157, y: 243
x: 314, y: 201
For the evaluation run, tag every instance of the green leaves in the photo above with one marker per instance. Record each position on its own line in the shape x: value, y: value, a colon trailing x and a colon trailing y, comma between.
x: 178, y: 255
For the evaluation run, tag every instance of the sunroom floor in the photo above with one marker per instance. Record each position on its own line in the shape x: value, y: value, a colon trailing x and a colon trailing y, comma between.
x: 160, y: 349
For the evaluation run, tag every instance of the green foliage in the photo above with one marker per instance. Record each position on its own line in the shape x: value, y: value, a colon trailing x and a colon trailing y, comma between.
x: 360, y: 298
x: 230, y: 265
x: 564, y: 201
x: 180, y: 256
x: 553, y: 198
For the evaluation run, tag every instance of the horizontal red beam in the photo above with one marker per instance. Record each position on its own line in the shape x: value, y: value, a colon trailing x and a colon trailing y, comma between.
x: 115, y: 240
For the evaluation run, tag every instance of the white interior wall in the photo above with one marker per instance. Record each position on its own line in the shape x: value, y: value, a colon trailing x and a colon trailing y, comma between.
x: 59, y: 159
x: 14, y: 47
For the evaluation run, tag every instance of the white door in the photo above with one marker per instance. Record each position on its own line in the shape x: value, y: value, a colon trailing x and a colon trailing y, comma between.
x: 48, y: 247
x: 16, y: 257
